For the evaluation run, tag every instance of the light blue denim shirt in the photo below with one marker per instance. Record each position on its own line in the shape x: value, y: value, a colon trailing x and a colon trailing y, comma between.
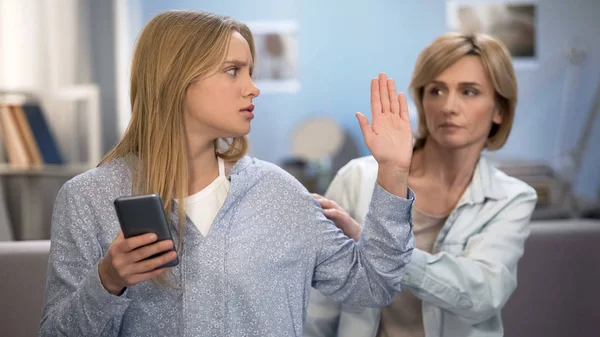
x: 251, y: 275
x: 471, y: 272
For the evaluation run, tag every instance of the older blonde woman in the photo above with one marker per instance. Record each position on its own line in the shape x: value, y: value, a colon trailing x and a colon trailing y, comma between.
x: 470, y: 220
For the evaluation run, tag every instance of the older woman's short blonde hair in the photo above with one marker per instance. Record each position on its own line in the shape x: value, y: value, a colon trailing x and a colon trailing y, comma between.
x: 497, y: 62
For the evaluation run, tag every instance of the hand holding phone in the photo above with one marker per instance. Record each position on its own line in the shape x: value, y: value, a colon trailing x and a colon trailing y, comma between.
x: 144, y: 247
x: 126, y: 262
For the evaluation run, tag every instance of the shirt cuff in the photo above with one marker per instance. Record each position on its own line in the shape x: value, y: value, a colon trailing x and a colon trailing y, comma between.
x: 100, y: 297
x: 389, y: 205
x: 380, y: 191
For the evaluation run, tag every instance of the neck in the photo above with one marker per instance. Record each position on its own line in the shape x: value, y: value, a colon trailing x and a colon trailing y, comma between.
x: 452, y: 168
x: 203, y: 166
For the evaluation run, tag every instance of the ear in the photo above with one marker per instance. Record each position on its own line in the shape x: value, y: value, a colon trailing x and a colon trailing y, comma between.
x: 498, y: 116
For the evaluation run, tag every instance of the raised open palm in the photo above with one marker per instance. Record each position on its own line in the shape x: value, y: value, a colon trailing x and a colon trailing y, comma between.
x: 389, y: 136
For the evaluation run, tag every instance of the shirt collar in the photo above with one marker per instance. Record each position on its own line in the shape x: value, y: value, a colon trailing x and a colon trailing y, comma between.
x: 483, y: 185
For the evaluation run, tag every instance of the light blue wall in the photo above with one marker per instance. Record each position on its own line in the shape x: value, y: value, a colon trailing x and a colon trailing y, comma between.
x: 344, y: 44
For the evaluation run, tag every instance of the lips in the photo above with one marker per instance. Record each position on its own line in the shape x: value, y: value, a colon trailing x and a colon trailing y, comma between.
x: 247, y: 111
x: 249, y: 108
x: 449, y: 125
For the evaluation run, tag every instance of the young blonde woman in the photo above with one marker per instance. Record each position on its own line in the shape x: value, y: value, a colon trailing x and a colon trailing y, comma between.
x: 470, y: 220
x: 251, y: 240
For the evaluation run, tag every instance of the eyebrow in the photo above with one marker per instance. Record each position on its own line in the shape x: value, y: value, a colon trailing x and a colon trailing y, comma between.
x: 236, y: 63
x: 460, y: 84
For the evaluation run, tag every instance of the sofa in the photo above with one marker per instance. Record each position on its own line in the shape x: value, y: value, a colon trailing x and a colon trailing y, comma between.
x: 558, y: 293
x: 23, y: 265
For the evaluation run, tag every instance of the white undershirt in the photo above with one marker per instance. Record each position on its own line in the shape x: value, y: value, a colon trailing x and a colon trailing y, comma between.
x: 203, y: 206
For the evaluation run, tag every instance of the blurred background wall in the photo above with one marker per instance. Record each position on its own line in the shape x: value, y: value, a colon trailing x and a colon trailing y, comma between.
x: 342, y: 46
x: 85, y: 48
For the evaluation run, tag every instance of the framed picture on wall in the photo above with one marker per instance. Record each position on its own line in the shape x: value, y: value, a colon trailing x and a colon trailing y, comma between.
x: 513, y: 22
x: 276, y: 69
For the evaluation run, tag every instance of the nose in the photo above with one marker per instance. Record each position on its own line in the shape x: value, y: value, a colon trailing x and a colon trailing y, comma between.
x: 251, y: 90
x: 451, y: 103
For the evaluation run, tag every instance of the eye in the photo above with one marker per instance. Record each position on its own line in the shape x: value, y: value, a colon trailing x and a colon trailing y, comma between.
x: 435, y: 91
x: 233, y: 71
x: 471, y: 92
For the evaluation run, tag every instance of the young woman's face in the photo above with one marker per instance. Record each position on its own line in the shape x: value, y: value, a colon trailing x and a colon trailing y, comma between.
x: 459, y: 105
x: 220, y: 105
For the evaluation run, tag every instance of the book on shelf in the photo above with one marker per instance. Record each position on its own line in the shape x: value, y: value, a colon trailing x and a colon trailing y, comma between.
x: 43, y: 134
x: 33, y: 150
x: 15, y: 145
x: 27, y: 137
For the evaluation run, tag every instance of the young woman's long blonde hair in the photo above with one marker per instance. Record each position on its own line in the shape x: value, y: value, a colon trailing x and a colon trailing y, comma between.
x: 175, y: 48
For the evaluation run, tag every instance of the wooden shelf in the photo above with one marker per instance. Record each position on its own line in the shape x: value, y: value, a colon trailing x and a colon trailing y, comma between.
x: 44, y: 171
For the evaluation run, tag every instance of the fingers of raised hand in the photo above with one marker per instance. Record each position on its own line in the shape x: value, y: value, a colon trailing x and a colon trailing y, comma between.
x: 393, y: 97
x: 403, y: 106
x: 384, y: 93
x: 375, y: 97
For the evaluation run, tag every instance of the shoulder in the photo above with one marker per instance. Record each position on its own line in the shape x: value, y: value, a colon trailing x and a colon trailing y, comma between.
x: 261, y: 182
x: 271, y: 191
x: 361, y: 164
x: 511, y: 187
x: 111, y: 180
x: 266, y: 173
x: 354, y: 174
x: 357, y: 168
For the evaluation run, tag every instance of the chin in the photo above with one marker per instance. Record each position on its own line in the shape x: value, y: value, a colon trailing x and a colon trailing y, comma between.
x: 453, y: 143
x: 237, y: 132
x: 243, y: 132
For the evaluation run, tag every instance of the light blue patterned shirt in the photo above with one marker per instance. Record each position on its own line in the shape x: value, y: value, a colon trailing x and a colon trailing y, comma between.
x: 250, y: 276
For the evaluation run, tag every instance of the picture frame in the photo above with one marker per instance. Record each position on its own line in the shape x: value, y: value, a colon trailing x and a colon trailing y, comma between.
x: 276, y: 67
x: 513, y: 22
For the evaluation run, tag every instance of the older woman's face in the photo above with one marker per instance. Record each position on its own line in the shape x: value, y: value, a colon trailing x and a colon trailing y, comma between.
x: 459, y: 105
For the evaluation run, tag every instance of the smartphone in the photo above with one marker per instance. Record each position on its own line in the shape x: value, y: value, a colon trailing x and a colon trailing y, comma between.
x: 142, y: 214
